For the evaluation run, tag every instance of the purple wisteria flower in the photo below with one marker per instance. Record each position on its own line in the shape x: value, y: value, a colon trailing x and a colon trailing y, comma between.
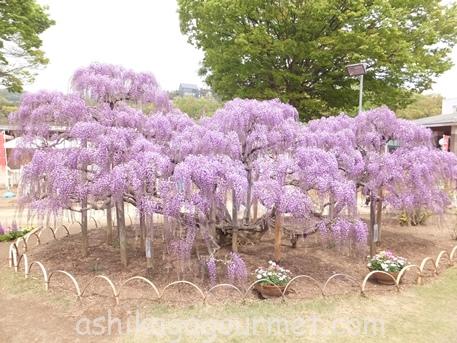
x: 236, y: 269
x: 212, y: 270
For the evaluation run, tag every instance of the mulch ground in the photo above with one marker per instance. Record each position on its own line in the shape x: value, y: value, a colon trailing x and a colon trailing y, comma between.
x: 311, y: 257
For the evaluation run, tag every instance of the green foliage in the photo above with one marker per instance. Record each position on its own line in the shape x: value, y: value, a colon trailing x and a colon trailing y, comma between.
x: 297, y: 50
x: 22, y: 21
x: 197, y: 107
x: 8, y: 103
x: 12, y: 235
x: 422, y: 106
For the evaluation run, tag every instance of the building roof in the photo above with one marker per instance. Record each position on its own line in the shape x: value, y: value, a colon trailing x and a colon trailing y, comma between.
x: 37, y: 143
x: 439, y: 120
x: 10, y: 127
x: 188, y: 86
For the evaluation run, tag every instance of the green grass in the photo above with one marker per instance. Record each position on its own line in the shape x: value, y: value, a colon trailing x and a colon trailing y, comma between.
x: 421, y: 314
x: 12, y: 235
x: 15, y: 285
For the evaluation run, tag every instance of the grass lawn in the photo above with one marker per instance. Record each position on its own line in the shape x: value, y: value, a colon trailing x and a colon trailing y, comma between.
x: 422, y: 314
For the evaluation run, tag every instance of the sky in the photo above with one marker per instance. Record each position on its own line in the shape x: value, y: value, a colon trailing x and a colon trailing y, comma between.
x: 140, y: 34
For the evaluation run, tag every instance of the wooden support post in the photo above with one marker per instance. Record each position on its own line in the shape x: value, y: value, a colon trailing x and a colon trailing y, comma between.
x: 120, y: 215
x: 379, y: 215
x: 109, y: 224
x: 372, y: 225
x: 149, y: 247
x: 235, y: 223
x: 84, y: 228
x: 278, y: 236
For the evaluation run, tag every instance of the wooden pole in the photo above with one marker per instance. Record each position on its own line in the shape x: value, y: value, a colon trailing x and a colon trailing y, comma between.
x: 142, y: 230
x: 109, y: 224
x: 84, y: 228
x: 379, y: 215
x: 255, y: 209
x: 149, y: 247
x: 278, y: 234
x: 234, y: 223
x: 120, y: 215
x: 247, y: 212
x: 372, y: 225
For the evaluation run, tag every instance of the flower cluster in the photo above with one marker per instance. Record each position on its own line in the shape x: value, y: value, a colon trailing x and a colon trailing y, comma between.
x: 273, y: 275
x: 386, y: 261
x: 212, y: 270
x: 236, y: 269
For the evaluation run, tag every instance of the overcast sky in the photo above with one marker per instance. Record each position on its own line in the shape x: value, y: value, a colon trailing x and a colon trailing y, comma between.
x: 139, y: 34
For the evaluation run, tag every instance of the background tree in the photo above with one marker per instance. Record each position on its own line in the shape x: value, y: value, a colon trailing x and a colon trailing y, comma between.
x: 9, y: 102
x: 22, y: 21
x: 297, y: 50
x: 422, y: 106
x: 197, y: 107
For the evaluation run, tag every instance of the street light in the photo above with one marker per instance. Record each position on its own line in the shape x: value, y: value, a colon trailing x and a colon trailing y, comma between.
x: 358, y: 69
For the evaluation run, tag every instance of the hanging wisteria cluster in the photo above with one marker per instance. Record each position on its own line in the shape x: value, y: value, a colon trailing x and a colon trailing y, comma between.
x: 117, y: 139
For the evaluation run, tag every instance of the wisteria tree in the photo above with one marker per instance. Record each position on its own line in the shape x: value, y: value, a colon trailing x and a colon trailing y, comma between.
x: 103, y: 123
x: 97, y: 148
x: 409, y: 178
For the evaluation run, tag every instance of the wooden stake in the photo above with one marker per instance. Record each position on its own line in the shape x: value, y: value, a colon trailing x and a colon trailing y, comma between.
x: 372, y: 224
x: 109, y: 224
x: 278, y: 234
x: 84, y: 229
x: 120, y: 215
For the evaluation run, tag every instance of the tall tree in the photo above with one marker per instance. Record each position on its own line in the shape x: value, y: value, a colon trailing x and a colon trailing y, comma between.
x: 422, y: 106
x: 22, y: 22
x: 297, y: 50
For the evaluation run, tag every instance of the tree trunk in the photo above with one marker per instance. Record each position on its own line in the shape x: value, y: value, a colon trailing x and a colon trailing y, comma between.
x: 247, y: 212
x: 120, y: 216
x: 149, y: 247
x: 109, y: 224
x: 235, y: 223
x: 278, y: 234
x: 372, y: 225
x: 84, y: 229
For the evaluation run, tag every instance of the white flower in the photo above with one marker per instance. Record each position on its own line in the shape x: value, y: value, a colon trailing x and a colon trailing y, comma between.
x: 259, y: 276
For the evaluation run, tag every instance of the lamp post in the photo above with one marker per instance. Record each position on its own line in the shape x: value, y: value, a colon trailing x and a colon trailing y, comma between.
x: 358, y: 69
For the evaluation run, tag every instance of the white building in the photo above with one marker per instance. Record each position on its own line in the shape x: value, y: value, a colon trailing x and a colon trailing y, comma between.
x: 449, y: 106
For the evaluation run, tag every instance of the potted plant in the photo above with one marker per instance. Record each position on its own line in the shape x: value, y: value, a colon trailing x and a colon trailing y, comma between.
x: 272, y: 280
x: 386, y: 261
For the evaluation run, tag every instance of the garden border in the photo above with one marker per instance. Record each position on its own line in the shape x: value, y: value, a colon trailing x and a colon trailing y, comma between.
x: 15, y: 262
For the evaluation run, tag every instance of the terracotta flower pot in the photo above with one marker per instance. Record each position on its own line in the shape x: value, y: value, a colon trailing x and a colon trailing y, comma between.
x: 270, y: 291
x: 385, y: 279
